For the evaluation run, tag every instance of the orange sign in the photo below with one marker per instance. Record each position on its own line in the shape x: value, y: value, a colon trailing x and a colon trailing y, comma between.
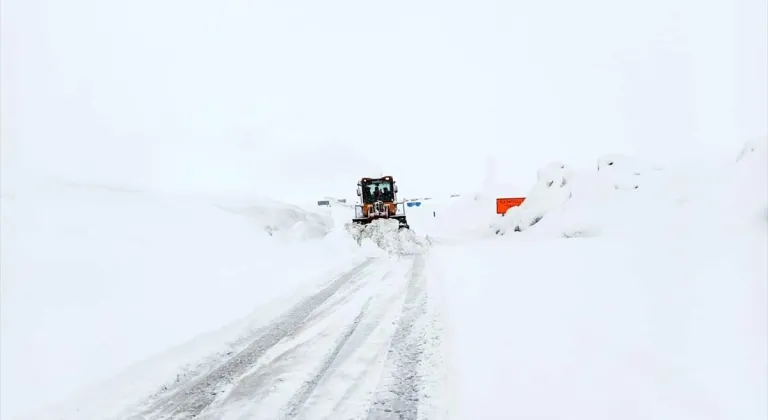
x: 504, y: 204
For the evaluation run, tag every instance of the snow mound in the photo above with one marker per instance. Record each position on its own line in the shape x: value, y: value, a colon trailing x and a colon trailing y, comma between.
x: 281, y: 219
x: 552, y: 189
x: 385, y: 235
x: 458, y: 217
x: 681, y: 199
x: 624, y: 171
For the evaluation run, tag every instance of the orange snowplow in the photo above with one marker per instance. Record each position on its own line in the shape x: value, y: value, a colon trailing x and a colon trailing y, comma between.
x: 378, y: 200
x: 504, y: 204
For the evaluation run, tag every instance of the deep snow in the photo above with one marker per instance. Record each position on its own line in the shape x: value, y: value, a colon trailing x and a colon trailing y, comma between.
x: 97, y: 279
x: 604, y: 329
x: 620, y: 302
x: 645, y: 302
x: 157, y: 128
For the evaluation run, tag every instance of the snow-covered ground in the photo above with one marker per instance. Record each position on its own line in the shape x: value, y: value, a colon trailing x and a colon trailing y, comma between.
x: 96, y: 279
x: 162, y: 250
x: 620, y: 302
x: 604, y: 329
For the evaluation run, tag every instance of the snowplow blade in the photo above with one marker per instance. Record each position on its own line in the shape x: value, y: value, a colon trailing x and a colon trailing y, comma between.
x: 403, y: 223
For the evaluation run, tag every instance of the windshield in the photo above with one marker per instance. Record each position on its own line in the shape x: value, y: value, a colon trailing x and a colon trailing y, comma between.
x: 377, y: 190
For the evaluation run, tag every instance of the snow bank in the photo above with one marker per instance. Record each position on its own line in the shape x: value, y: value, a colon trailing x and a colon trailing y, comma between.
x: 604, y: 200
x: 96, y: 279
x: 551, y: 190
x: 281, y: 219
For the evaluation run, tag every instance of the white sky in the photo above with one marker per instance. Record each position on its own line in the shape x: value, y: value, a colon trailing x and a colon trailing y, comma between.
x: 302, y: 98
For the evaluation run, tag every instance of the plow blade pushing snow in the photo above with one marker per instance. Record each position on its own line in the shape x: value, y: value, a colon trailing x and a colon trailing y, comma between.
x: 388, y: 235
x: 365, y: 214
x: 401, y: 220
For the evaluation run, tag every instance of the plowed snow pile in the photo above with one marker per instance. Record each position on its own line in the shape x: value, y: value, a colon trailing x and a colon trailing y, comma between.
x: 385, y: 236
x: 624, y: 195
x: 640, y: 292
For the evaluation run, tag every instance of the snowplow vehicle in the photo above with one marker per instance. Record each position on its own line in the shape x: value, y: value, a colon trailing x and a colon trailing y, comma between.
x: 378, y: 200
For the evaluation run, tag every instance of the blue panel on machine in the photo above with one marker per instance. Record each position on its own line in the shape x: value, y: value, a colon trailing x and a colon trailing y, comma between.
x: 414, y: 203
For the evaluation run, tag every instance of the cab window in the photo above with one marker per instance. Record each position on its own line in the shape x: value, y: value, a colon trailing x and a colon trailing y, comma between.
x: 378, y: 190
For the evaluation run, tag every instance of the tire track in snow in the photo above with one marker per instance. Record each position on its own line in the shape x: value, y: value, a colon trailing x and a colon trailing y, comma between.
x: 262, y: 387
x: 193, y: 398
x: 398, y: 394
x: 302, y: 394
x: 346, y: 392
x: 340, y: 382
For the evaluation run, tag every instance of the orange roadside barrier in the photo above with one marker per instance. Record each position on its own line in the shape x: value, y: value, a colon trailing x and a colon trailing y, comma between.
x: 504, y: 204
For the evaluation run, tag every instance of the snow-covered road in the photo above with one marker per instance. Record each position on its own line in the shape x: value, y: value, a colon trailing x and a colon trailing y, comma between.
x: 634, y: 296
x: 369, y: 327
